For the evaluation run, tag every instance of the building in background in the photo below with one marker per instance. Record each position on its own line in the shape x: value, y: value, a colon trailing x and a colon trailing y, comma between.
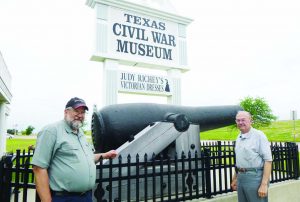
x: 5, y: 99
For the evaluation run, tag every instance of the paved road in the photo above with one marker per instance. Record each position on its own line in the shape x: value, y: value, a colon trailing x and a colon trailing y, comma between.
x: 33, y: 137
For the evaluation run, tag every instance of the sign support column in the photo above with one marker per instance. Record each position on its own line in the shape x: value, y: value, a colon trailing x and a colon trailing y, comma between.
x: 175, y: 75
x: 110, y: 82
x: 3, y: 115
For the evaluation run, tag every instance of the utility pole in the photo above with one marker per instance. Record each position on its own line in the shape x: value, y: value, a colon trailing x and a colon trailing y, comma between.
x: 294, y: 118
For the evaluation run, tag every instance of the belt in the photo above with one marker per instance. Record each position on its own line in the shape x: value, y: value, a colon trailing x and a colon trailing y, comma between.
x: 243, y: 170
x: 67, y: 193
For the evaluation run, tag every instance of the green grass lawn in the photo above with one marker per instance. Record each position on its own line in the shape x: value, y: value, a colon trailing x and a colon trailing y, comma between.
x: 13, y: 144
x: 278, y: 131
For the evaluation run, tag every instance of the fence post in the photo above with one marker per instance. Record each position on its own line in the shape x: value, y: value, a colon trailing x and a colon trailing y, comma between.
x: 6, y: 178
x: 25, y: 178
x: 220, y: 147
x: 296, y: 161
x: 207, y: 162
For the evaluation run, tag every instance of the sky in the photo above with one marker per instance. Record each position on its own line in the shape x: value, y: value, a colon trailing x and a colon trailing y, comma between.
x: 236, y: 48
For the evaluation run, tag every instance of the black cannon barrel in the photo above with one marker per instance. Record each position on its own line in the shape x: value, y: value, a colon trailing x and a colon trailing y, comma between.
x: 115, y: 124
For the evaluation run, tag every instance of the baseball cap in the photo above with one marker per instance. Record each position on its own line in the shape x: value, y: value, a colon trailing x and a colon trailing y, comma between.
x: 76, y: 102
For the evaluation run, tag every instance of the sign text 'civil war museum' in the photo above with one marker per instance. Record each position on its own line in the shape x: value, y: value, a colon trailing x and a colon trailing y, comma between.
x: 135, y: 38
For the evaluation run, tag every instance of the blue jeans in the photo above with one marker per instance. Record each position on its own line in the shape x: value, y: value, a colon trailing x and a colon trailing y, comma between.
x: 84, y: 198
x: 248, y: 184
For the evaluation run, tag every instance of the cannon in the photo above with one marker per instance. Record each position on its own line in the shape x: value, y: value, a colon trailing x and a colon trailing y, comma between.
x: 114, y: 125
x: 145, y: 129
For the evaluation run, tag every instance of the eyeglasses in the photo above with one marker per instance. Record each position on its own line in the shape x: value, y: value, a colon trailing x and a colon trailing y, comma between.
x: 77, y: 112
x: 240, y: 120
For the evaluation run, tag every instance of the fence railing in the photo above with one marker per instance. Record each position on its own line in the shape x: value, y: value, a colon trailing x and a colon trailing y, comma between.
x: 285, y: 164
x: 16, y: 176
x: 177, y: 178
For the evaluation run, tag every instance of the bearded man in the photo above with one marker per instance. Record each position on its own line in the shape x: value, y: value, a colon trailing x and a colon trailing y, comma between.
x: 63, y: 161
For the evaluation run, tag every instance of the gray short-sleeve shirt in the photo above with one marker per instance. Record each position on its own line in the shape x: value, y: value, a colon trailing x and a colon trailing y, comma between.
x: 252, y: 149
x: 68, y: 158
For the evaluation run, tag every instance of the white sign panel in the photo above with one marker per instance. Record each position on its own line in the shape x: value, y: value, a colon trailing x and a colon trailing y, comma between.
x: 143, y: 39
x: 140, y: 83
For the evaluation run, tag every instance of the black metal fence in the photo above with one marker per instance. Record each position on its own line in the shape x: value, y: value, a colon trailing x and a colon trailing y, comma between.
x: 178, y: 178
x: 16, y: 177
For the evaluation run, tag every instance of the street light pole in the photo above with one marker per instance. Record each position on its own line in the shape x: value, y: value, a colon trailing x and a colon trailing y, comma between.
x: 294, y: 118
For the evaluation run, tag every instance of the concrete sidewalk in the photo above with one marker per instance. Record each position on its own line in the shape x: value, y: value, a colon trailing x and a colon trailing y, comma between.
x: 278, y: 192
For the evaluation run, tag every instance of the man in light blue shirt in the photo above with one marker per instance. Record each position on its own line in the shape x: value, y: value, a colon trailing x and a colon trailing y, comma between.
x: 253, y: 161
x: 64, y: 162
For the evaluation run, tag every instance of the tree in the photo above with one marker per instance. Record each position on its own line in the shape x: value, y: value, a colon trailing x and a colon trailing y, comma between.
x: 29, y: 130
x: 12, y: 131
x: 259, y: 109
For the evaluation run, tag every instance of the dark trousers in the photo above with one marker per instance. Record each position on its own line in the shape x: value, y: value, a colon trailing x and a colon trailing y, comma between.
x: 83, y: 198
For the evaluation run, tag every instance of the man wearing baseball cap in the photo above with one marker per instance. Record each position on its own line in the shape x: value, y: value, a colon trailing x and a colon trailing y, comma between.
x: 64, y: 162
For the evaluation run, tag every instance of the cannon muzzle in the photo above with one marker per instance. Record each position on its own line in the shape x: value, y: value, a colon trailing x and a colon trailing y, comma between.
x: 114, y: 125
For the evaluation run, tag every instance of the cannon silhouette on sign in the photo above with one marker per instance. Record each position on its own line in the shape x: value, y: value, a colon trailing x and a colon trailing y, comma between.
x: 114, y: 125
